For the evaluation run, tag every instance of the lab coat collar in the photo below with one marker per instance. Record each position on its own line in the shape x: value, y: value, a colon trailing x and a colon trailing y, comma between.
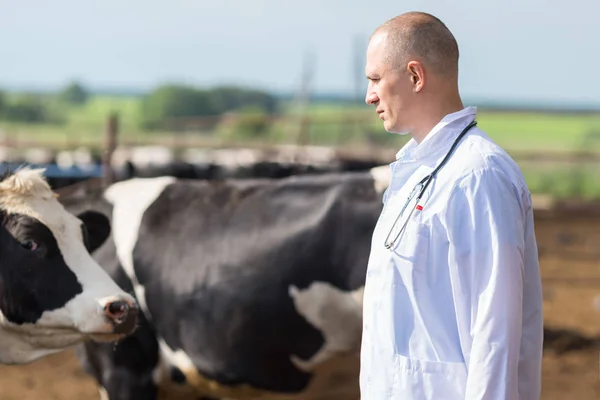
x: 435, y: 140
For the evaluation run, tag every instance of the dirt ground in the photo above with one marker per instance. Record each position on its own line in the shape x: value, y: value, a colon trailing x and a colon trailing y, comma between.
x: 570, y: 262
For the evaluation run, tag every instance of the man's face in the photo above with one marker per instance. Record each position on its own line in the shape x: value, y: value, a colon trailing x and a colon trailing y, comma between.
x: 390, y: 89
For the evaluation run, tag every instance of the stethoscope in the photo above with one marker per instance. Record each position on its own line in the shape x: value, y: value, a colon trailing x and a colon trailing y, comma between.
x: 420, y: 188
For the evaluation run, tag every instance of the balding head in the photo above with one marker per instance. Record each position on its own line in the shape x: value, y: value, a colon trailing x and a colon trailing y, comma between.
x: 412, y: 68
x: 421, y: 37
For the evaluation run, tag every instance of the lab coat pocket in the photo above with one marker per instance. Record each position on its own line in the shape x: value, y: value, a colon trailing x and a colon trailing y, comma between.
x: 410, y: 257
x: 425, y: 380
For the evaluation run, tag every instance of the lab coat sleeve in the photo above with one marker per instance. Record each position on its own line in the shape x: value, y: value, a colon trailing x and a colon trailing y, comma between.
x: 486, y: 233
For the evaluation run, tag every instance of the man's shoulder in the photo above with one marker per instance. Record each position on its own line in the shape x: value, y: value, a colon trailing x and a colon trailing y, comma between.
x: 483, y: 165
x: 481, y: 157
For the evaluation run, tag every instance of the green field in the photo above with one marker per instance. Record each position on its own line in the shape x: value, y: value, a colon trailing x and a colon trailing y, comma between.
x: 514, y: 131
x: 332, y: 125
x: 358, y: 127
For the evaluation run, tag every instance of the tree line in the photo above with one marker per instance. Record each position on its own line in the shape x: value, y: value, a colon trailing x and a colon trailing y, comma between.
x: 169, y: 102
x: 158, y: 107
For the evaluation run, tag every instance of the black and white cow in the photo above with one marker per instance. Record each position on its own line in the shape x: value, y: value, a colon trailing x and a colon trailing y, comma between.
x: 53, y: 295
x: 251, y: 289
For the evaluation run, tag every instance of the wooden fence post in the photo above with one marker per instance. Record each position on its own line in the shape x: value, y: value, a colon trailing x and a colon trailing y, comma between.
x: 110, y: 144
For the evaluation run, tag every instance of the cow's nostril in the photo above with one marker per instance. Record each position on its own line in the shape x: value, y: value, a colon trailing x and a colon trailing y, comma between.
x: 116, y: 310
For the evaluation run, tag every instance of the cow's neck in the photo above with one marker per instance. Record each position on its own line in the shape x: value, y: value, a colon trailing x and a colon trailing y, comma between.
x: 20, y: 347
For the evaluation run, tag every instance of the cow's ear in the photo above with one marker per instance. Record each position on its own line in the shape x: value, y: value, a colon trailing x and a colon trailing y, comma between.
x: 97, y: 229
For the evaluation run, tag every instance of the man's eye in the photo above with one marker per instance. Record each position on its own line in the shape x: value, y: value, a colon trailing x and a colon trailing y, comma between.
x: 30, y: 245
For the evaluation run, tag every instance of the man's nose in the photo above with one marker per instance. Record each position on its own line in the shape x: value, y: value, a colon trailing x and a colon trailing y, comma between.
x: 371, y: 98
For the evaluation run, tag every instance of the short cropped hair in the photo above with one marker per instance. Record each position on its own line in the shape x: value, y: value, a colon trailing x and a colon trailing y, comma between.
x: 423, y: 37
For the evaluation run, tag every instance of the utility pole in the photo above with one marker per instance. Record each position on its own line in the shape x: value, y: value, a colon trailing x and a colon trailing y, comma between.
x: 358, y: 67
x: 302, y: 98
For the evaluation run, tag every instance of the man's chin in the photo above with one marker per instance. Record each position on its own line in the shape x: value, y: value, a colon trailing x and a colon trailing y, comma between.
x: 398, y: 132
x: 395, y: 130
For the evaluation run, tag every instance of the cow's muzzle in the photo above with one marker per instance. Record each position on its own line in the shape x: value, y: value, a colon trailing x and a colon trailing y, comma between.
x: 123, y: 315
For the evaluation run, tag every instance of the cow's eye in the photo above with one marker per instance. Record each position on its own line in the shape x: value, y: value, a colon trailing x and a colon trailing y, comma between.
x: 30, y: 245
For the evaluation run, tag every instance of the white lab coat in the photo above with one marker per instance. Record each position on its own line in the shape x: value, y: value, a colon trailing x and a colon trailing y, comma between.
x: 455, y: 310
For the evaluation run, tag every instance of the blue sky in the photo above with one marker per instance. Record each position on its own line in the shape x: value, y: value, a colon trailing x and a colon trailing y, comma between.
x: 526, y: 51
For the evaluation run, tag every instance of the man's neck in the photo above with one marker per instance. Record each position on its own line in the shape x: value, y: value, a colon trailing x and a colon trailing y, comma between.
x: 433, y: 116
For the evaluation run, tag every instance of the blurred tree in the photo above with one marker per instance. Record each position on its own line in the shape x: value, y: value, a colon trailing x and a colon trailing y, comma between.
x: 172, y: 101
x: 74, y: 93
x: 229, y: 98
x: 25, y: 108
x: 176, y: 101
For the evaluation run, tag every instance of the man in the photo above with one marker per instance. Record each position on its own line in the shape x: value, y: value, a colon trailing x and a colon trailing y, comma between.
x: 453, y: 302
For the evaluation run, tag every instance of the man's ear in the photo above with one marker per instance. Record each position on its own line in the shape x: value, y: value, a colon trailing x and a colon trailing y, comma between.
x: 417, y: 75
x: 97, y: 229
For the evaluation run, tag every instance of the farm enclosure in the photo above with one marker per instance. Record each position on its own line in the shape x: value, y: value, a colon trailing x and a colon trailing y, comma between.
x: 546, y: 148
x: 570, y: 263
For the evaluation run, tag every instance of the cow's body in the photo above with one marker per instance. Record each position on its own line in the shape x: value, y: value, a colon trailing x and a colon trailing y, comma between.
x: 253, y: 287
x: 53, y: 295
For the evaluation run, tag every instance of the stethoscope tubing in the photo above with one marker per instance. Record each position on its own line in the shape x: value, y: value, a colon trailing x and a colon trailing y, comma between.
x: 424, y: 183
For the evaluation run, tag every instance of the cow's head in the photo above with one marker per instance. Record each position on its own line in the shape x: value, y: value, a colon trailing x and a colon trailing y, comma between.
x: 52, y: 293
